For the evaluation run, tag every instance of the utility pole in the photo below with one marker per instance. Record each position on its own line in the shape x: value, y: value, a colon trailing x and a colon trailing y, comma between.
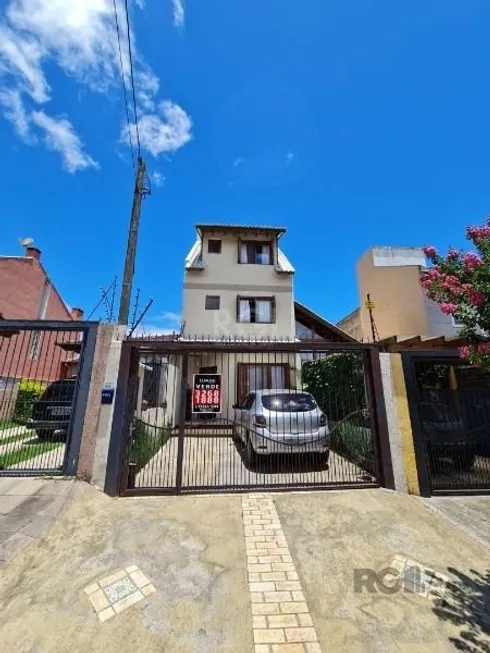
x: 370, y: 305
x: 139, y: 191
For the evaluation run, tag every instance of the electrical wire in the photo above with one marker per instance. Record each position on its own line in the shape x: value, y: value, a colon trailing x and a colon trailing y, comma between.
x: 124, y: 85
x: 132, y: 80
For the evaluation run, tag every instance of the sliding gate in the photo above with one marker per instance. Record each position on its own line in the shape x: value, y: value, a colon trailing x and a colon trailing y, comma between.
x: 201, y: 416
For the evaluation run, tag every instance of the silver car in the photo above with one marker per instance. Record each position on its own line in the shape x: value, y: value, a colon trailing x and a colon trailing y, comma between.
x: 281, y: 421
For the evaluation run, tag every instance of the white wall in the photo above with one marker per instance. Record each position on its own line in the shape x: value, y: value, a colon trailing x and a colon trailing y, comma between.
x: 439, y: 323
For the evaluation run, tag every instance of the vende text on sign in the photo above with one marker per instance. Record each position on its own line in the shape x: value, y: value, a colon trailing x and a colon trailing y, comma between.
x: 206, y: 393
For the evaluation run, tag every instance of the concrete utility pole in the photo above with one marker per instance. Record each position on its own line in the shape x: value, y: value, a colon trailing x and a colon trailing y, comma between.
x: 139, y: 191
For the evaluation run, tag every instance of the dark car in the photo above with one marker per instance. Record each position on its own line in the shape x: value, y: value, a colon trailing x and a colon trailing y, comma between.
x: 51, y: 412
x: 446, y: 435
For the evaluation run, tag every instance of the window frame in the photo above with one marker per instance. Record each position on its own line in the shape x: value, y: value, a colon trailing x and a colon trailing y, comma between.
x: 268, y: 243
x: 243, y: 391
x: 212, y: 308
x: 271, y: 299
x: 214, y: 240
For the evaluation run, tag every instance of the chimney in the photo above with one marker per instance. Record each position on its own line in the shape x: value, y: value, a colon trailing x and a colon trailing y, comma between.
x: 33, y: 252
x: 76, y: 313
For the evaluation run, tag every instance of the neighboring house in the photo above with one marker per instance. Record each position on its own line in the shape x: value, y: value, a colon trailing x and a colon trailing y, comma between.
x: 238, y: 285
x: 391, y: 276
x: 27, y: 293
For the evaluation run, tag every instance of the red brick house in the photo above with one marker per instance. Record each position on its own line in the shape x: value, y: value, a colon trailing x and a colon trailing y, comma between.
x: 27, y: 293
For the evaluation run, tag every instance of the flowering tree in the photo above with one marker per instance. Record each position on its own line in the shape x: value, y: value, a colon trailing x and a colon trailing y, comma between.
x: 460, y: 283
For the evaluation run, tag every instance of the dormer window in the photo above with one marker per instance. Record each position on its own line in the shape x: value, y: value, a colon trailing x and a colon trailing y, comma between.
x: 255, y: 251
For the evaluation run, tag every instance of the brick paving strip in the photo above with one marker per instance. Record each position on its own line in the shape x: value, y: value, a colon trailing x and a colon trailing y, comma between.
x: 281, y: 620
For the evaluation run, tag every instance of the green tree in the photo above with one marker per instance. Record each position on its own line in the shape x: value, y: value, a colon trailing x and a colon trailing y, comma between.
x: 337, y: 383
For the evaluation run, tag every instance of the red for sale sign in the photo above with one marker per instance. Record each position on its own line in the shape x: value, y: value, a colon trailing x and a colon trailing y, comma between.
x: 206, y: 393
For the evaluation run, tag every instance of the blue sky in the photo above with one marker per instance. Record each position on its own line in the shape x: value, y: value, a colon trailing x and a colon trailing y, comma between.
x: 351, y: 123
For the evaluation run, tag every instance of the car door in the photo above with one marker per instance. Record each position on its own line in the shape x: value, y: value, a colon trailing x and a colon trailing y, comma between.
x: 243, y: 417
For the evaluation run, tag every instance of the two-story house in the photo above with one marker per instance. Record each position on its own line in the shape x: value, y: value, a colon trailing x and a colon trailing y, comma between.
x: 391, y: 277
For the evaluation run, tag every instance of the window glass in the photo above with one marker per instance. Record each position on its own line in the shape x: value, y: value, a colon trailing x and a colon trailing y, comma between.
x: 289, y: 402
x: 212, y: 302
x: 214, y: 246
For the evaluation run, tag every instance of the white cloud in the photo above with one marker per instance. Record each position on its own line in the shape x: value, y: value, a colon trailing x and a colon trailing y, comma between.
x: 169, y: 316
x: 178, y: 12
x: 80, y: 37
x: 60, y: 136
x: 290, y: 156
x: 157, y: 178
x: 13, y: 110
x: 166, y: 131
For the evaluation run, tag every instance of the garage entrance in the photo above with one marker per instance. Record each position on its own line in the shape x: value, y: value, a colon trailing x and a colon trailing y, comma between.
x: 201, y: 416
x: 450, y: 411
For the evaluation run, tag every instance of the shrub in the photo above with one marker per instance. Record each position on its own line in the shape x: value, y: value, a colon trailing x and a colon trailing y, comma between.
x: 352, y: 439
x: 29, y: 391
x: 146, y: 441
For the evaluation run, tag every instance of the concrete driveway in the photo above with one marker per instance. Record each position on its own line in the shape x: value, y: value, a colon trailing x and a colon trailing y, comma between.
x: 217, y: 461
x: 253, y: 573
x: 331, y: 536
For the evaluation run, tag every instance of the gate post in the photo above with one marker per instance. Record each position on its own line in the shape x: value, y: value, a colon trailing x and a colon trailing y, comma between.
x: 182, y: 412
x: 382, y: 450
x: 81, y: 398
x: 116, y: 463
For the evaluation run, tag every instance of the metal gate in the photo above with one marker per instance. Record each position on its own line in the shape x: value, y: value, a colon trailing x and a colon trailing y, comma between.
x: 201, y: 416
x: 450, y: 411
x: 44, y: 377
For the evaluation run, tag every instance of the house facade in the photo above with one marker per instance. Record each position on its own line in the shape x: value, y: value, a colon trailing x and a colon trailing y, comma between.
x: 391, y: 277
x: 238, y: 286
x: 28, y: 293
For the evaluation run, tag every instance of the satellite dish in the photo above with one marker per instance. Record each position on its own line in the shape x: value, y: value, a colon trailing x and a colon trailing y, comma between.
x: 25, y: 242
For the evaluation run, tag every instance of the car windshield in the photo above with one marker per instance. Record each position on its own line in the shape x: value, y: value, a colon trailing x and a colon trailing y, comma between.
x: 291, y: 402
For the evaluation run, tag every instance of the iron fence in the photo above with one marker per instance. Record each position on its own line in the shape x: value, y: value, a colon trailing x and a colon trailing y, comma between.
x: 450, y: 407
x: 40, y: 373
x: 204, y: 416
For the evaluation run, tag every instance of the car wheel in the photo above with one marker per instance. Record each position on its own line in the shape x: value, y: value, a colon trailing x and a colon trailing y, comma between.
x: 464, y: 462
x: 45, y: 435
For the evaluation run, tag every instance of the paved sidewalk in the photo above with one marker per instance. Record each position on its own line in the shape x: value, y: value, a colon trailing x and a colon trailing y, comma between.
x: 28, y: 506
x: 331, y: 535
x: 470, y: 513
x: 55, y: 594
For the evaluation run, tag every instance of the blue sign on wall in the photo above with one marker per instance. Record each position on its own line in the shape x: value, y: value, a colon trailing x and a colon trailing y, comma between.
x: 107, y: 393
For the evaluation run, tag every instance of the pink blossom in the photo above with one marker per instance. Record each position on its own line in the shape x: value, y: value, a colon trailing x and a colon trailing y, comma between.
x: 471, y: 261
x: 484, y: 347
x: 452, y: 254
x: 430, y: 252
x: 477, y: 234
x: 425, y: 282
x: 476, y: 298
x: 464, y: 352
x: 448, y: 308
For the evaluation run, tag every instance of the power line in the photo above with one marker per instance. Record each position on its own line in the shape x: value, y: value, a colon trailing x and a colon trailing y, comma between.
x: 124, y: 85
x: 132, y: 79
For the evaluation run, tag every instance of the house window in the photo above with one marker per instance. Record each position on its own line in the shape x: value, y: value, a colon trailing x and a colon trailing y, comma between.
x: 254, y: 251
x: 259, y: 377
x: 456, y: 322
x: 214, y: 246
x: 256, y: 310
x: 212, y: 303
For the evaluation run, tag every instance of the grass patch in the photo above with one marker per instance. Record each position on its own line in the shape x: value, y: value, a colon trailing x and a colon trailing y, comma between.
x: 26, y: 453
x: 15, y: 438
x: 147, y: 440
x: 7, y: 424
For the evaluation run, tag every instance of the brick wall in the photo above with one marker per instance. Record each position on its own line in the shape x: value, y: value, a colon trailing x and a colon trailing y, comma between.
x: 22, y: 282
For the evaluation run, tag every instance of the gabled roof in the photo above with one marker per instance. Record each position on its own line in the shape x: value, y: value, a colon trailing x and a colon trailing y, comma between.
x: 319, y: 325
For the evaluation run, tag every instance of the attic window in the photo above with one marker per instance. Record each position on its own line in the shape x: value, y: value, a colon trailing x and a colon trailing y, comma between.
x: 214, y: 246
